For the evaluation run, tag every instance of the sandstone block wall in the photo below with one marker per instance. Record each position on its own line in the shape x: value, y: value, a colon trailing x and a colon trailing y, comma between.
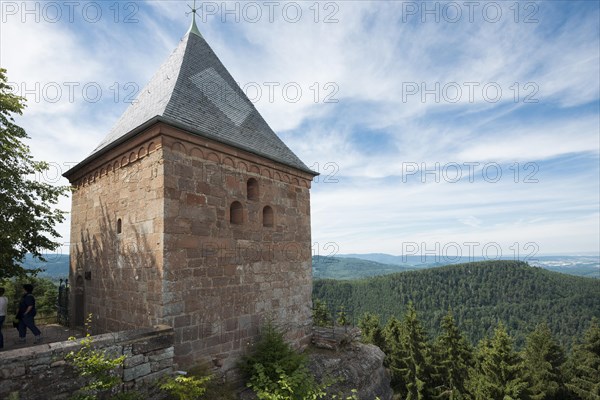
x: 152, y: 242
x: 117, y: 239
x: 41, y: 372
x: 223, y: 280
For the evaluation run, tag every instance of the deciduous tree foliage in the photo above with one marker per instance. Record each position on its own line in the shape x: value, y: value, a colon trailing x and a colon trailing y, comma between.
x: 29, y: 216
x: 44, y: 290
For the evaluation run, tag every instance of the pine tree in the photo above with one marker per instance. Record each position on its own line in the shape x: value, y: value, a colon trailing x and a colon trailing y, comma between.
x: 586, y: 378
x: 393, y: 334
x: 543, y: 359
x: 321, y: 314
x: 415, y: 365
x: 342, y: 317
x: 499, y: 372
x: 453, y: 357
x: 371, y: 330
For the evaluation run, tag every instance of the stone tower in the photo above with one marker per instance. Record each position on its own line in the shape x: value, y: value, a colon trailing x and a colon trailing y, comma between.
x: 192, y: 213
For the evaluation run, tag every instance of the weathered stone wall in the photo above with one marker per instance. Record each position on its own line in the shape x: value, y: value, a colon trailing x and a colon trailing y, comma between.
x: 116, y: 267
x: 41, y: 372
x: 223, y: 280
x: 178, y: 260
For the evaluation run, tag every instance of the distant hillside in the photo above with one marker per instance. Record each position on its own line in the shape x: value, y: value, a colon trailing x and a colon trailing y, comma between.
x: 581, y: 265
x: 405, y: 261
x: 480, y: 294
x: 57, y: 265
x: 588, y: 266
x: 351, y: 268
x: 346, y: 267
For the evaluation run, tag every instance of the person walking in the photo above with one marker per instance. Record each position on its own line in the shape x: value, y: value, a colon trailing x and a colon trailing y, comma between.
x: 3, y: 305
x: 26, y: 315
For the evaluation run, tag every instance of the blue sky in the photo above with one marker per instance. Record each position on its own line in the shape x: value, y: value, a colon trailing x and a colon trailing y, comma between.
x: 432, y: 123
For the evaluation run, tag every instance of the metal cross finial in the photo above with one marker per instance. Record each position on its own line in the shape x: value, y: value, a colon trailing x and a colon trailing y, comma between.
x: 193, y: 27
x: 194, y: 9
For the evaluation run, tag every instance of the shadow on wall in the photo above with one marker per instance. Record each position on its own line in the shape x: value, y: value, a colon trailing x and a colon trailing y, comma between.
x: 116, y: 274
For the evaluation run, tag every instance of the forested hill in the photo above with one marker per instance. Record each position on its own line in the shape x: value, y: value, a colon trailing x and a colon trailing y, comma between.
x: 480, y: 294
x: 351, y: 268
x: 56, y: 265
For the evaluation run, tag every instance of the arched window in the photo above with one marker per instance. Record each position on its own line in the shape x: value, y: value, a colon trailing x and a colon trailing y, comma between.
x: 236, y: 213
x: 268, y: 217
x: 119, y: 226
x: 252, y: 189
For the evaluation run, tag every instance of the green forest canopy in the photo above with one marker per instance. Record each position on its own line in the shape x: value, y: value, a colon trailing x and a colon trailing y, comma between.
x: 480, y: 295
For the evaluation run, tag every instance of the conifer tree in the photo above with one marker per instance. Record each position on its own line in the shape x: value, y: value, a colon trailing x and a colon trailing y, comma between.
x: 544, y: 359
x: 371, y: 330
x: 321, y: 315
x: 415, y: 367
x: 453, y: 358
x: 585, y: 381
x: 393, y: 334
x: 499, y: 372
x: 342, y: 317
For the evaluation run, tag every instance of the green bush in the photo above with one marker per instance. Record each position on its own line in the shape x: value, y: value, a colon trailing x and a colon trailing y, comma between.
x: 297, y: 385
x: 276, y: 372
x: 186, y: 388
x: 96, y: 365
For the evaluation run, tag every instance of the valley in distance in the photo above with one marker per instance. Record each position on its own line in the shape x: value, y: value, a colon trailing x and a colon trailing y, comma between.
x: 560, y: 291
x: 358, y: 266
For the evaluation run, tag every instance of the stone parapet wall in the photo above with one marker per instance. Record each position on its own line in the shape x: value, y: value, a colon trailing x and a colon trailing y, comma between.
x: 41, y: 372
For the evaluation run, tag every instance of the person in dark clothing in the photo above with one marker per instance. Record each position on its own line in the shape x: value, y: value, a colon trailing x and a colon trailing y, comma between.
x: 26, y: 315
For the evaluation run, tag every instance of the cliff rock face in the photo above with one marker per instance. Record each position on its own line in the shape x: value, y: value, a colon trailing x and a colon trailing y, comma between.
x: 357, y: 366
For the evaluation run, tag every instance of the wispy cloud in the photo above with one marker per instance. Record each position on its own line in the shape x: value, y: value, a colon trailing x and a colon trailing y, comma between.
x: 383, y: 87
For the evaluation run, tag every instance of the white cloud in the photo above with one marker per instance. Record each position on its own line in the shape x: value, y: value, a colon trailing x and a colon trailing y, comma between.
x: 371, y: 56
x: 470, y: 221
x: 380, y: 216
x: 523, y: 142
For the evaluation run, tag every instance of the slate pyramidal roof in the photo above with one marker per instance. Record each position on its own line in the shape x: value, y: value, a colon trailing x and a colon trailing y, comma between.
x: 194, y: 91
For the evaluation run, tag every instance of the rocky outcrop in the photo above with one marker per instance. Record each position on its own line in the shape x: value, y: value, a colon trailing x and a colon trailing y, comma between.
x: 337, y: 357
x: 334, y: 338
x: 356, y: 366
